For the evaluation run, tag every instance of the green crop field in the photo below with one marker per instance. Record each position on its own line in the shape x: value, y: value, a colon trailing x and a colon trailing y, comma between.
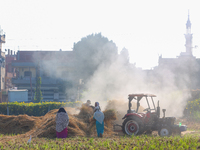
x: 152, y: 142
x: 188, y: 140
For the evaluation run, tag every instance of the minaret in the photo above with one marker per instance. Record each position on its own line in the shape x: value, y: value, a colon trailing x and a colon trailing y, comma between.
x: 188, y: 37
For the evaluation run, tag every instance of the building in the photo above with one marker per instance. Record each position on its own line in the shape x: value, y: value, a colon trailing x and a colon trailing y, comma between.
x: 55, y: 69
x: 2, y: 64
x: 185, y: 68
x: 10, y: 71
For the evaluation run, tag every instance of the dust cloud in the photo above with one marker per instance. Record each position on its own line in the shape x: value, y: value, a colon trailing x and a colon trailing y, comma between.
x: 171, y: 84
x: 116, y: 79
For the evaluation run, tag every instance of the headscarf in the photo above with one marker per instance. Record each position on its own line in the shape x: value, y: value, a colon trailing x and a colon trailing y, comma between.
x: 96, y: 107
x: 62, y: 120
x: 96, y: 104
x: 98, y: 115
x: 61, y: 110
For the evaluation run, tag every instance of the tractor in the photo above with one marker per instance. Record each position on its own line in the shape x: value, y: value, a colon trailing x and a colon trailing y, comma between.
x: 144, y: 123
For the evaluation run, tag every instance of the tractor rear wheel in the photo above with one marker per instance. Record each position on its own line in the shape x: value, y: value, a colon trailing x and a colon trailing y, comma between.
x: 131, y: 126
x: 164, y: 131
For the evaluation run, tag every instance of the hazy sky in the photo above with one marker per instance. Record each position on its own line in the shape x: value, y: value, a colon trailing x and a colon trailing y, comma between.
x: 147, y: 28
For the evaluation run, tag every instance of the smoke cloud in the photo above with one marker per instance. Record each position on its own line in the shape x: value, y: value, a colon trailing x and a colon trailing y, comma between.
x: 170, y: 83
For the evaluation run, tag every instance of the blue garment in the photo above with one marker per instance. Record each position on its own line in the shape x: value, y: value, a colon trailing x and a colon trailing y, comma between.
x: 100, y: 128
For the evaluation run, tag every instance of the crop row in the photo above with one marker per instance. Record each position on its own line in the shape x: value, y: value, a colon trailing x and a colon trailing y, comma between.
x: 134, y: 142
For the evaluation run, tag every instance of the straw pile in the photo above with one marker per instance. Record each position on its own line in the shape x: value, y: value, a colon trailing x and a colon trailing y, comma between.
x: 16, y: 124
x: 110, y: 116
x: 48, y: 127
x: 85, y: 113
x: 120, y: 108
x: 45, y: 126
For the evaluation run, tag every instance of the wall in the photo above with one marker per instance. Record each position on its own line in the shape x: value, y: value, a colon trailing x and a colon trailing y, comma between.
x: 18, y: 95
x: 2, y: 78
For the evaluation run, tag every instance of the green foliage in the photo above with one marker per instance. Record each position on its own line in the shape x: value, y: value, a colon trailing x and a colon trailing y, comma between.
x: 38, y: 92
x: 192, y: 109
x: 193, y: 106
x: 34, y: 109
x: 137, y: 143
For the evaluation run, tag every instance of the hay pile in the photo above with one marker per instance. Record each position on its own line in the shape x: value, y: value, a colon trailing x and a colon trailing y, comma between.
x: 110, y: 116
x: 16, y: 124
x: 48, y: 126
x: 85, y: 113
x: 45, y: 126
x: 120, y: 107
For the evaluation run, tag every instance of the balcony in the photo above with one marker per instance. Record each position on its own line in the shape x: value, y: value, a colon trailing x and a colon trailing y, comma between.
x: 49, y: 81
x: 26, y: 80
x: 23, y: 64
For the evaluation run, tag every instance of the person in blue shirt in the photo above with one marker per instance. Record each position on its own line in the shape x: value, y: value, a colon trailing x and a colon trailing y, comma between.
x: 99, y: 117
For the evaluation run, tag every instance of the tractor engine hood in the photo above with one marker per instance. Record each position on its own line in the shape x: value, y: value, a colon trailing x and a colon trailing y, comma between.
x: 167, y: 120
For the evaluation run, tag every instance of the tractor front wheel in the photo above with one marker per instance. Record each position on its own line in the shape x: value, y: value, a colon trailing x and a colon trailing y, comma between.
x: 132, y: 126
x: 164, y: 131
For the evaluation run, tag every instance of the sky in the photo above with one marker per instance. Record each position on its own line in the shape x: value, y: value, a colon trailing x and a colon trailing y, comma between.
x: 146, y: 28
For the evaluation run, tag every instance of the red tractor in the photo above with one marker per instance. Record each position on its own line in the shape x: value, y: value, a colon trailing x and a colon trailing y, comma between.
x: 139, y: 123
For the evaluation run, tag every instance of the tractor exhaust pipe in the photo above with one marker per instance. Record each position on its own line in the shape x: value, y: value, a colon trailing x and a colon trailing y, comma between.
x: 158, y: 110
x: 164, y: 110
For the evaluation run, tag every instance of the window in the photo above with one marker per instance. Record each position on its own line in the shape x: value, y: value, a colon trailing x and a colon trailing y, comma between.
x: 27, y: 73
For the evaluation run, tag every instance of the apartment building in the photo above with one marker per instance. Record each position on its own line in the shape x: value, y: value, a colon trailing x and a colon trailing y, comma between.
x: 54, y: 67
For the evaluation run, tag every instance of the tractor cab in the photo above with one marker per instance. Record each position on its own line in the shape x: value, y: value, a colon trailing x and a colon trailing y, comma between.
x: 149, y: 99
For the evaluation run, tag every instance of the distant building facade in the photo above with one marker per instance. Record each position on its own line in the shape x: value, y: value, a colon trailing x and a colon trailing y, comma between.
x: 2, y: 64
x: 54, y: 67
x: 10, y: 70
x: 185, y: 68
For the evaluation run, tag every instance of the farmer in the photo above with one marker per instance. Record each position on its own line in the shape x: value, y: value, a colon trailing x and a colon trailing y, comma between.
x: 62, y: 121
x: 99, y: 117
x: 87, y: 103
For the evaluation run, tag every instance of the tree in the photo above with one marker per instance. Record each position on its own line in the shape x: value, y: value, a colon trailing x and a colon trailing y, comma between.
x: 38, y: 93
x: 91, y: 52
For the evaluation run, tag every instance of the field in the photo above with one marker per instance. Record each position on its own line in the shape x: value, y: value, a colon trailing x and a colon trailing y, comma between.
x: 15, y: 132
x: 189, y: 141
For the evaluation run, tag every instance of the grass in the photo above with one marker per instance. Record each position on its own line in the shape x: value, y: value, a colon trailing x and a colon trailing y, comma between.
x: 123, y: 142
x: 12, y: 134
